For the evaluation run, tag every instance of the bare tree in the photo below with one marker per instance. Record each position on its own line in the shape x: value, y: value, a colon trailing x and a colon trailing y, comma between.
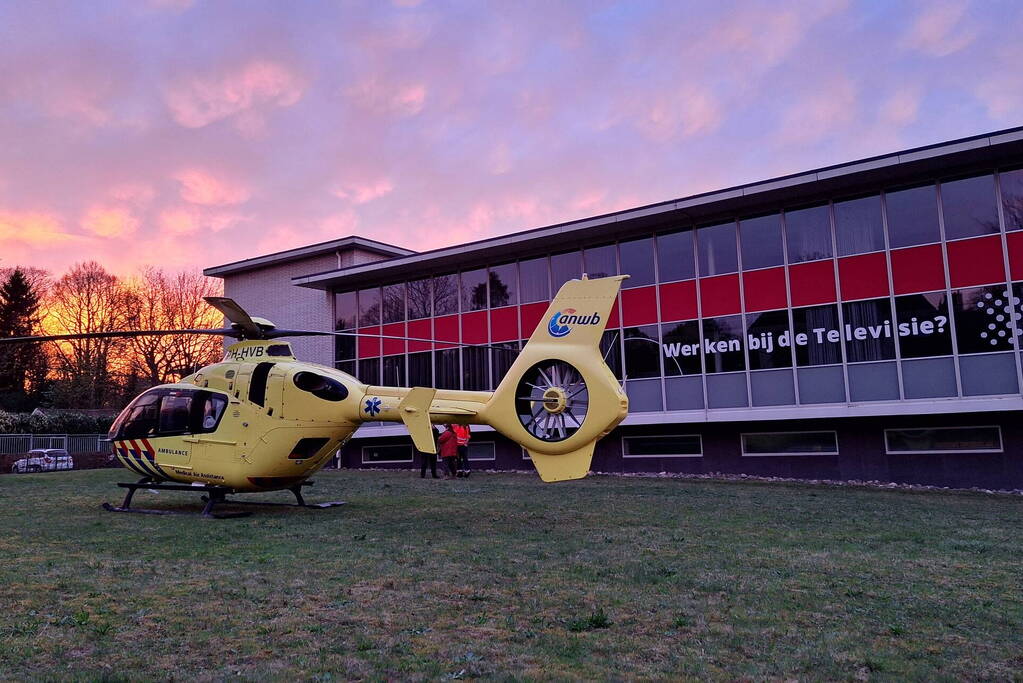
x: 86, y: 299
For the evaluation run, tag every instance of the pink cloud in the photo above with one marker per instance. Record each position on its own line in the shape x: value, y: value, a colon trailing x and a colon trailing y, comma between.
x: 901, y: 108
x: 940, y: 29
x: 110, y: 221
x: 364, y: 191
x: 200, y: 100
x: 400, y: 100
x: 200, y: 187
x: 32, y: 228
x: 183, y: 220
x: 134, y: 193
x: 834, y: 103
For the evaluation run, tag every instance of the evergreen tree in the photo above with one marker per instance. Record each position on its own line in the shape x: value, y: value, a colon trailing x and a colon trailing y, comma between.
x: 22, y: 366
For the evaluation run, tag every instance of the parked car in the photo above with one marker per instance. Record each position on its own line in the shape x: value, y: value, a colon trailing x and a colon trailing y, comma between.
x: 44, y: 460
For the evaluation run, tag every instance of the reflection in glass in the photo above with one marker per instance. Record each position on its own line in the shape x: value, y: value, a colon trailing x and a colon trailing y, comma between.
x: 642, y: 352
x: 501, y: 360
x: 344, y: 348
x: 716, y: 245
x: 1012, y: 198
x: 815, y: 335
x: 680, y: 345
x: 346, y: 307
x: 761, y: 242
x: 723, y: 344
x: 768, y: 340
x: 808, y: 234
x: 394, y: 303
x: 420, y: 369
x: 534, y: 283
x: 369, y: 371
x: 565, y: 267
x: 858, y: 225
x: 600, y: 261
x: 983, y: 318
x: 611, y: 350
x: 503, y: 285
x: 369, y: 306
x: 475, y: 376
x: 446, y: 369
x: 420, y: 295
x: 969, y: 208
x: 393, y: 371
x: 675, y: 260
x: 637, y: 261
x: 445, y: 294
x: 868, y: 331
x: 474, y: 289
x: 347, y: 366
x: 912, y: 216
x: 924, y: 325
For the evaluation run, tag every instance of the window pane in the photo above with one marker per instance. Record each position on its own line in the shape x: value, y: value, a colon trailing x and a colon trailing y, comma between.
x: 369, y: 371
x: 600, y: 261
x: 474, y: 289
x: 716, y: 245
x: 767, y: 337
x: 611, y: 350
x: 923, y: 325
x: 943, y: 440
x: 445, y: 294
x: 808, y: 234
x: 761, y: 242
x: 912, y: 216
x: 858, y: 225
x: 446, y: 367
x: 815, y: 335
x: 504, y: 285
x: 983, y: 319
x: 637, y: 261
x: 420, y: 294
x: 675, y: 259
x: 346, y: 307
x: 1012, y: 198
x: 662, y: 446
x: 394, y: 303
x: 969, y: 207
x: 394, y: 371
x: 789, y: 443
x: 475, y: 375
x: 642, y: 352
x: 501, y: 360
x: 347, y: 366
x: 420, y: 369
x: 565, y: 267
x: 482, y: 451
x: 376, y: 454
x: 723, y: 343
x: 534, y: 277
x: 868, y: 330
x: 369, y: 307
x: 344, y: 348
x: 680, y: 344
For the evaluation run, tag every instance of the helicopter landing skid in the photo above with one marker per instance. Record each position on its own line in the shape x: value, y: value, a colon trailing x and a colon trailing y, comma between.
x: 216, y: 495
x: 299, y: 500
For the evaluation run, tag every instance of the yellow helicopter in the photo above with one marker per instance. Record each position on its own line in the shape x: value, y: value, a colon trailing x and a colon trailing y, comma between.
x: 261, y: 420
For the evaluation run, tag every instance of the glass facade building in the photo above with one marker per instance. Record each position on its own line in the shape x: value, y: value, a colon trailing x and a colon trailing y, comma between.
x: 867, y: 313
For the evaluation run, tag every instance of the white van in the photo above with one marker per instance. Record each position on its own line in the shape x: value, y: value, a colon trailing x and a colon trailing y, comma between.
x: 44, y: 460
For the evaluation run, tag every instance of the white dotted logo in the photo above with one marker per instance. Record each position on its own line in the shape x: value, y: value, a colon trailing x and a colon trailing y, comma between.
x: 1004, y: 308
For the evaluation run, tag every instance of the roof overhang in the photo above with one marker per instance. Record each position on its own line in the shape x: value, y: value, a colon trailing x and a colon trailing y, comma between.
x: 866, y: 175
x: 333, y: 246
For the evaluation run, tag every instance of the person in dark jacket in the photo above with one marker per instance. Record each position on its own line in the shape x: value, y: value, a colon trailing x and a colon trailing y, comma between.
x: 429, y: 458
x: 448, y: 443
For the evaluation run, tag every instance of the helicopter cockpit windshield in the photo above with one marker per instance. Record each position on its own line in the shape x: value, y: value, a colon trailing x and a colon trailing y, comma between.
x: 170, y: 412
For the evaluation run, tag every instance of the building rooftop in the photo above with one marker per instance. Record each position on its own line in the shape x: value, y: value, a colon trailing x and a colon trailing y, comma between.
x: 277, y: 258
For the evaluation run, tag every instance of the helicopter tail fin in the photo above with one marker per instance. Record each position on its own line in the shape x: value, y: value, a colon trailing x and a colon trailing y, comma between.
x: 414, y: 409
x: 559, y: 397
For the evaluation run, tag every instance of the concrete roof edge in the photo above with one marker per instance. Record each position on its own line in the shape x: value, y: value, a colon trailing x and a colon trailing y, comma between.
x: 305, y: 252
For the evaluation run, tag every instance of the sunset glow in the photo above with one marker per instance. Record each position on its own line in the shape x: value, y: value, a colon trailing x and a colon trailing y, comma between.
x: 187, y: 134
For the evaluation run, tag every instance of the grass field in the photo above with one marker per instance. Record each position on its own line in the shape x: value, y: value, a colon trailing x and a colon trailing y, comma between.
x: 501, y: 576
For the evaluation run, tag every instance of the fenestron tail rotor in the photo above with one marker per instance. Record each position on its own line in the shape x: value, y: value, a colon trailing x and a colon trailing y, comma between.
x: 551, y: 400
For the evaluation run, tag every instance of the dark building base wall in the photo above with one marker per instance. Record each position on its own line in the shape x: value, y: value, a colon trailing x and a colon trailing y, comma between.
x: 861, y: 455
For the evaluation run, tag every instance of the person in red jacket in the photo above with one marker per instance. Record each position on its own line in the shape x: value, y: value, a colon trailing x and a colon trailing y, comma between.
x: 448, y: 442
x: 462, y: 433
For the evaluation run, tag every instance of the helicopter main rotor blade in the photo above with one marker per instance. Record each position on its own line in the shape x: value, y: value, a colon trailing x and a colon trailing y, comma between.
x: 274, y: 334
x: 236, y: 314
x: 226, y: 332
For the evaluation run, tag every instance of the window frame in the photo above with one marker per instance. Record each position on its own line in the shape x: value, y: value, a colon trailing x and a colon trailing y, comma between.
x: 493, y: 449
x: 625, y: 450
x: 997, y: 428
x: 743, y: 435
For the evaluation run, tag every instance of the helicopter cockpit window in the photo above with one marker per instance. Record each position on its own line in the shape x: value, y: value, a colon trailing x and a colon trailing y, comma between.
x: 321, y: 387
x: 166, y: 412
x: 278, y: 350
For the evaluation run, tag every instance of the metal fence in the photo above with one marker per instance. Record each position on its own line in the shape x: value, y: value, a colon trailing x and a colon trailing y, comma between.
x: 87, y: 451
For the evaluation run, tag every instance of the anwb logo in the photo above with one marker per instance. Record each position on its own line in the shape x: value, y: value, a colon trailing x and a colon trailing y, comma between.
x: 560, y: 323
